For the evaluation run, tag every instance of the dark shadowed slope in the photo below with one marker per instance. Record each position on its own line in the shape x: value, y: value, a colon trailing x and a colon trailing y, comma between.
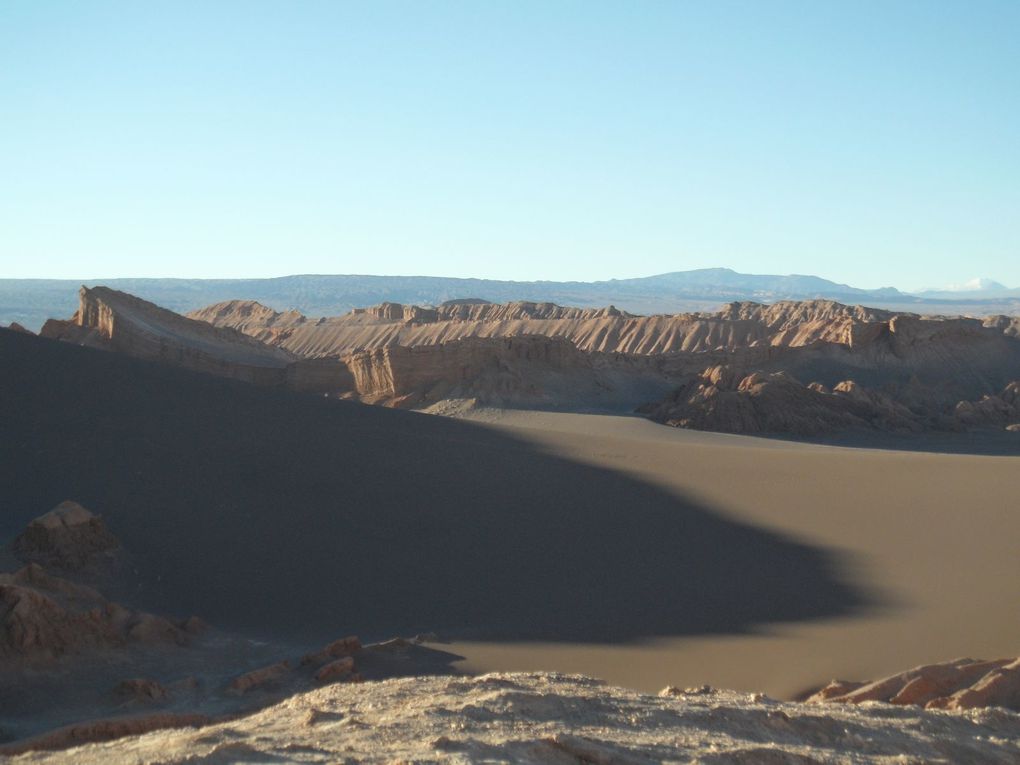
x: 298, y: 516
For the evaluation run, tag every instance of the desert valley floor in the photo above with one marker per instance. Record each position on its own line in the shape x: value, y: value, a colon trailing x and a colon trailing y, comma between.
x: 931, y: 537
x: 525, y: 541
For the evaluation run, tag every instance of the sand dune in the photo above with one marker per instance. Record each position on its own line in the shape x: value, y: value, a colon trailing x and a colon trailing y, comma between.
x: 277, y: 514
x: 931, y: 536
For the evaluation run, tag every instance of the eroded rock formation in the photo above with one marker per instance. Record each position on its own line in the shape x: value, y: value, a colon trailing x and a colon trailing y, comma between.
x: 778, y: 403
x: 69, y: 538
x: 44, y: 617
x: 803, y: 368
x: 121, y: 322
x: 958, y: 684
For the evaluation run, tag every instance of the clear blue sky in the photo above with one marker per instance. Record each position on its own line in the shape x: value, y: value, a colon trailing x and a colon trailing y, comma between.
x: 876, y: 143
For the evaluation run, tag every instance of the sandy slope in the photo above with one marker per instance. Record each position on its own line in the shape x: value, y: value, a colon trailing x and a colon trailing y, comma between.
x: 932, y: 535
x: 556, y: 719
x: 296, y: 517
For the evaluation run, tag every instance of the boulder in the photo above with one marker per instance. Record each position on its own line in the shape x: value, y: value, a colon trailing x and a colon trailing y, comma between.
x: 259, y: 678
x: 347, y: 646
x: 335, y: 670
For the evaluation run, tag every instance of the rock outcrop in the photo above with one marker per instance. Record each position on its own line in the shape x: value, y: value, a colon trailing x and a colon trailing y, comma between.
x: 1001, y: 410
x: 554, y: 718
x: 959, y: 684
x: 69, y: 538
x: 260, y: 678
x: 532, y: 370
x: 120, y: 322
x: 45, y: 617
x: 778, y: 403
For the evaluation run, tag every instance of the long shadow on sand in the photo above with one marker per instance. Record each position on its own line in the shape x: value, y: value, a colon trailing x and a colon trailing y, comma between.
x: 292, y: 516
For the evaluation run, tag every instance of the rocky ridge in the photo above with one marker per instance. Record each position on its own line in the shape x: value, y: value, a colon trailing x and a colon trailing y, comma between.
x: 121, y: 322
x: 738, y: 370
x: 803, y: 368
x: 738, y: 325
x: 553, y: 718
x: 538, y: 370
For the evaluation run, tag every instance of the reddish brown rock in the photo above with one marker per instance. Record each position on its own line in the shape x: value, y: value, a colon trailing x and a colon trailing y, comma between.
x: 347, y: 646
x: 335, y: 671
x: 959, y: 684
x: 68, y: 537
x: 260, y: 678
x: 43, y: 616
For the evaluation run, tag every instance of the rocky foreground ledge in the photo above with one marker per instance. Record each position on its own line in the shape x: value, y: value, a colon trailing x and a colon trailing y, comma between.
x: 552, y: 718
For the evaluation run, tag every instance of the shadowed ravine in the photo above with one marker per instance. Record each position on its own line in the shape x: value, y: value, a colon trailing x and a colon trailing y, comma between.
x: 297, y: 517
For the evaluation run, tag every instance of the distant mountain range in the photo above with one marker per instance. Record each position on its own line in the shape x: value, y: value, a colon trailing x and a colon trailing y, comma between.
x: 980, y: 288
x: 31, y: 301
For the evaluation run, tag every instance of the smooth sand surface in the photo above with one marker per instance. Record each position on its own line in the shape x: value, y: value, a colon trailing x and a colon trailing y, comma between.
x: 933, y: 535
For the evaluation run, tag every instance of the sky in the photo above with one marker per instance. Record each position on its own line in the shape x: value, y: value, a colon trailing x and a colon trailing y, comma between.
x: 873, y: 143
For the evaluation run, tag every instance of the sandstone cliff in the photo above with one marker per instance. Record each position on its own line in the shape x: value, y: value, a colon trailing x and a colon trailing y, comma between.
x: 961, y: 358
x: 738, y: 325
x: 523, y: 370
x: 536, y: 370
x: 120, y: 322
x: 870, y: 368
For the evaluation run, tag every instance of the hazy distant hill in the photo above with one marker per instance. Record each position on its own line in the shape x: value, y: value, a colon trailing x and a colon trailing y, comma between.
x: 985, y: 289
x: 31, y: 301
